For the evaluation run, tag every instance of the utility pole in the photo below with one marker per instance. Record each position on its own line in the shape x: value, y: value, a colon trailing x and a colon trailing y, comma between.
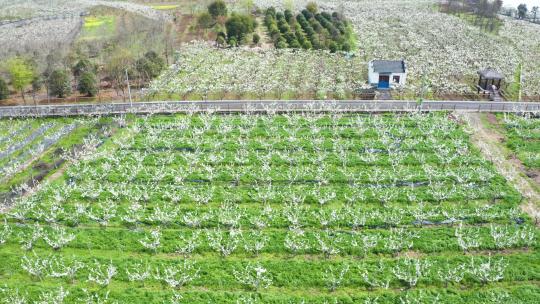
x: 129, y: 90
x: 520, y: 80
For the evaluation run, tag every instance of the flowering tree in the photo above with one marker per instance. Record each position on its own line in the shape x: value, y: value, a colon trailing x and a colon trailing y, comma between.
x: 333, y: 276
x: 178, y: 274
x: 152, y: 241
x: 4, y: 233
x: 101, y: 274
x: 411, y: 270
x: 253, y: 276
x: 486, y: 271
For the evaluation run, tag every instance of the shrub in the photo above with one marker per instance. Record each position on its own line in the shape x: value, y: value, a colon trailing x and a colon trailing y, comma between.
x: 256, y: 38
x: 281, y: 44
x: 220, y: 40
x: 333, y: 47
x: 320, y: 95
x: 4, y: 91
x: 340, y: 94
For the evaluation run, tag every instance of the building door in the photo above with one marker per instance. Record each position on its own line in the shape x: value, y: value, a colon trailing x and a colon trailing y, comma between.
x: 384, y: 82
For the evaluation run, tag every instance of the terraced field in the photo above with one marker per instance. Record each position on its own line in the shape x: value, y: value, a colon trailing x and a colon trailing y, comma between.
x: 22, y: 141
x: 32, y: 150
x: 276, y: 208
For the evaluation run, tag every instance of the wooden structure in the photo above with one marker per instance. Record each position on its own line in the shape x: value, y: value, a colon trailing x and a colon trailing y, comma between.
x: 488, y: 78
x: 489, y: 83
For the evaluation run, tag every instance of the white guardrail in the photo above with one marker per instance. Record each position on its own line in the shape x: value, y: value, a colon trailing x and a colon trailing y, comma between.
x: 263, y: 106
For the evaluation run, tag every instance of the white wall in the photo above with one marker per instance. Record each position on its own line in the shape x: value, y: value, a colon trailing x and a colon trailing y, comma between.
x: 373, y: 77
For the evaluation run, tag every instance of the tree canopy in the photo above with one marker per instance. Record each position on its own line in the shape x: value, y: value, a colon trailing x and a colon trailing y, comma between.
x: 522, y: 11
x: 83, y: 65
x: 238, y: 26
x: 21, y: 74
x: 88, y: 84
x: 218, y: 8
x: 205, y: 20
x: 59, y: 84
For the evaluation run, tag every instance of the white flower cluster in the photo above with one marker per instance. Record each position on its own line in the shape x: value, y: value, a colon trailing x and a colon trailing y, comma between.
x: 441, y: 51
x: 203, y: 70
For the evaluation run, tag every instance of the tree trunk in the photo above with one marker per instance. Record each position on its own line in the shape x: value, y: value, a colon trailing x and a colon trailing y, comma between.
x: 22, y: 94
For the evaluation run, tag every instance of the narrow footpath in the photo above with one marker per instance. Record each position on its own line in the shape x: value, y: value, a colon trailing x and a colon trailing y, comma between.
x: 488, y: 141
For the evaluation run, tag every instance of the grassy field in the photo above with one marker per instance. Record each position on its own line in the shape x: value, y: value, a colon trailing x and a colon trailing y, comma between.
x: 165, y: 7
x: 293, y: 208
x: 98, y: 27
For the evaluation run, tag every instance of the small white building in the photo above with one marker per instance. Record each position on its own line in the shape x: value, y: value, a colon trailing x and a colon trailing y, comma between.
x: 386, y: 74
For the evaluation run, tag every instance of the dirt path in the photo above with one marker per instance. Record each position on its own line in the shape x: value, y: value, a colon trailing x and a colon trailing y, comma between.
x: 489, y: 143
x: 266, y: 42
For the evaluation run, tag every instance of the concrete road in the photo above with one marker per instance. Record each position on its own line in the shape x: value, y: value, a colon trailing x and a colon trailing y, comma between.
x: 266, y: 106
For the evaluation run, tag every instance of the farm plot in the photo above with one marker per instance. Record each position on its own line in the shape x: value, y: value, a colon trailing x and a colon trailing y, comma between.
x: 523, y: 138
x: 98, y: 27
x: 31, y: 150
x: 291, y: 208
x: 21, y: 141
x: 203, y: 71
x: 443, y: 52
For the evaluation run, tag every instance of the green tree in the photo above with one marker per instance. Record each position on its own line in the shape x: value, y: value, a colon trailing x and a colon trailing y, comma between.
x: 248, y: 5
x: 205, y: 21
x: 21, y: 74
x: 522, y: 11
x: 238, y: 26
x: 312, y: 7
x: 256, y: 38
x: 88, y: 84
x: 333, y: 47
x: 534, y: 12
x: 281, y: 43
x: 158, y: 62
x: 220, y: 41
x: 288, y: 4
x: 217, y: 9
x: 59, y: 84
x: 83, y: 65
x: 4, y: 91
x: 116, y: 65
x: 149, y: 66
x: 346, y: 47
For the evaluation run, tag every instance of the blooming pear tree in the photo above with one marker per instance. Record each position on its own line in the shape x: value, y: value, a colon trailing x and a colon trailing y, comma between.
x: 254, y: 276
